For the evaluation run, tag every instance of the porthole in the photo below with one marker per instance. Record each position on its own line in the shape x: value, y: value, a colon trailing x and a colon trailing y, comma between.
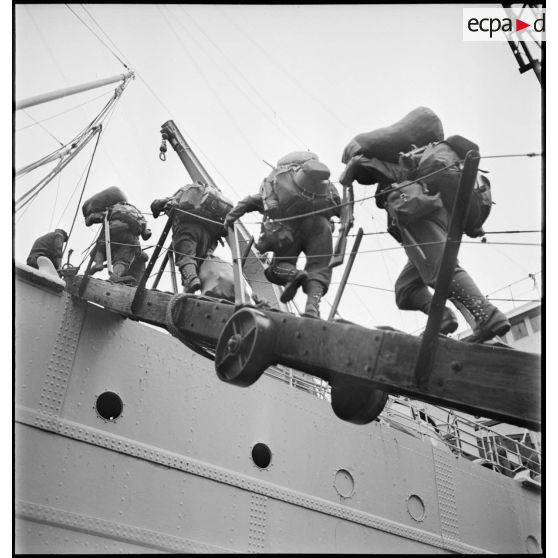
x: 344, y: 483
x: 416, y: 507
x: 109, y: 405
x: 261, y: 455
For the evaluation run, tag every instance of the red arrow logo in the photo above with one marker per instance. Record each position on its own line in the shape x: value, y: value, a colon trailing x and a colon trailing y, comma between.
x: 519, y: 25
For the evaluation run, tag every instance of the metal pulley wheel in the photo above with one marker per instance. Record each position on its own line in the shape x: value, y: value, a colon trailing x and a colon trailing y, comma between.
x: 245, y: 347
x: 357, y: 404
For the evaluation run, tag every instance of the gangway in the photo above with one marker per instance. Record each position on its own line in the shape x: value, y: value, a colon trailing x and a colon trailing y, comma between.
x: 362, y: 365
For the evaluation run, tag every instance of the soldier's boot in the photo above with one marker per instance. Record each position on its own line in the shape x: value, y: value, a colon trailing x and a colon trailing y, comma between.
x: 117, y: 275
x: 490, y: 322
x: 190, y: 280
x: 314, y: 290
x: 296, y: 279
x: 449, y: 320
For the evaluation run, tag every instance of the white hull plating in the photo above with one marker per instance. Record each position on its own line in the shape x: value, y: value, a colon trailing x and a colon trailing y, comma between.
x: 174, y: 472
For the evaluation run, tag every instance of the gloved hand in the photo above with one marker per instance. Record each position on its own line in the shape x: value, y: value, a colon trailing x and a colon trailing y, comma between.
x: 228, y: 222
x: 348, y: 175
x: 170, y: 205
x: 156, y: 208
x: 274, y: 212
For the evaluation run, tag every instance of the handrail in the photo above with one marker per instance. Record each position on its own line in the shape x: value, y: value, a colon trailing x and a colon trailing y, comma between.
x: 461, y: 435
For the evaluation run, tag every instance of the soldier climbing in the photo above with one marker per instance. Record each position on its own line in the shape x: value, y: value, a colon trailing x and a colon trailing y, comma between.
x: 419, y: 211
x: 126, y: 224
x: 297, y: 201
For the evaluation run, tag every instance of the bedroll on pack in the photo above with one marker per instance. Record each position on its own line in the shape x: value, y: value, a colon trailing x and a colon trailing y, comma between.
x: 296, y: 158
x: 103, y: 200
x: 129, y: 214
x: 420, y: 127
x: 300, y: 190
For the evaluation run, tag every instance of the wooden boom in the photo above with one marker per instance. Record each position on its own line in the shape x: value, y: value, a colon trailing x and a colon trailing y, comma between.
x: 482, y: 380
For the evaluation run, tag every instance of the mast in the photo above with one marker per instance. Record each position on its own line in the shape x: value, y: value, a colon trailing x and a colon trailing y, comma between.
x: 67, y: 91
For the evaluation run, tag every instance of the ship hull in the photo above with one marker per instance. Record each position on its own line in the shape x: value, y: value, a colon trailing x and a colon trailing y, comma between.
x: 175, y: 470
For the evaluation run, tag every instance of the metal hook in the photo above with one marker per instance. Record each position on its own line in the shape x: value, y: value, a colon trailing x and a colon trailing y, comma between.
x: 163, y: 149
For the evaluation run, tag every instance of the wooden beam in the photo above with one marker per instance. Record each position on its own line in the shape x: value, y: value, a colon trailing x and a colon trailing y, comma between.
x: 483, y: 380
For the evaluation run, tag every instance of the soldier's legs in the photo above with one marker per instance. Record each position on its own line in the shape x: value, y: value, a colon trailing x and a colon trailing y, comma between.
x: 191, y: 244
x: 124, y: 249
x: 138, y: 266
x: 412, y: 294
x: 431, y: 234
x: 318, y: 247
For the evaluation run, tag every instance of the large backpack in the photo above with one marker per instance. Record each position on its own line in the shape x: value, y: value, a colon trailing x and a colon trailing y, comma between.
x: 449, y: 153
x: 129, y: 214
x: 280, y: 189
x: 206, y: 201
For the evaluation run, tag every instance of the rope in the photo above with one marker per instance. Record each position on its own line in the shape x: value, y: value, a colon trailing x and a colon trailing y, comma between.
x: 104, y: 33
x: 83, y: 189
x: 295, y: 81
x: 36, y: 122
x: 60, y: 113
x: 511, y: 155
x: 101, y: 40
x: 210, y: 86
x: 231, y: 63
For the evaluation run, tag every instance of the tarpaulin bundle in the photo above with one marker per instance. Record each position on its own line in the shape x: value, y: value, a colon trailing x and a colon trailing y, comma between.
x: 103, y: 200
x: 420, y: 127
x: 217, y: 279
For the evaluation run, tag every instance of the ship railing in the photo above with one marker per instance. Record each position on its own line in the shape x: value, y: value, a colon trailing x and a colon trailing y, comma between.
x: 304, y: 382
x: 463, y: 436
x: 466, y: 437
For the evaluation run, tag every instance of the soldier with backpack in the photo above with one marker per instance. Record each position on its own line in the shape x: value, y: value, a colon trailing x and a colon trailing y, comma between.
x: 126, y: 224
x: 418, y: 218
x: 197, y: 226
x: 297, y: 190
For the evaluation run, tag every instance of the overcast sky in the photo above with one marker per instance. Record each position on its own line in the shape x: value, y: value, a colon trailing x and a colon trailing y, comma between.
x: 251, y: 83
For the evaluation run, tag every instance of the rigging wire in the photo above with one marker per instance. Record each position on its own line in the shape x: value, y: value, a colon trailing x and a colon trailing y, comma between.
x: 101, y: 40
x: 83, y: 189
x: 165, y: 107
x: 61, y: 113
x: 529, y: 276
x: 77, y: 144
x: 209, y: 85
x: 36, y: 122
x: 71, y: 196
x: 51, y: 54
x: 234, y: 66
x: 55, y: 201
x: 105, y: 34
x: 297, y: 83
